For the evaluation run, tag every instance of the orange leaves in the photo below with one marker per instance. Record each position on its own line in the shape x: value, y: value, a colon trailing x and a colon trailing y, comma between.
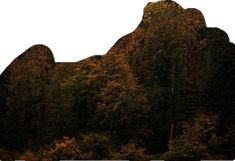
x: 66, y: 148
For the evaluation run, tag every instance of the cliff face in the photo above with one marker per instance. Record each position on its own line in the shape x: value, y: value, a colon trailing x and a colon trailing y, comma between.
x: 165, y: 72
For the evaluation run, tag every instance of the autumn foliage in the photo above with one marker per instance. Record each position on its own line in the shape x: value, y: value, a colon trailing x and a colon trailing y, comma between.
x: 164, y: 91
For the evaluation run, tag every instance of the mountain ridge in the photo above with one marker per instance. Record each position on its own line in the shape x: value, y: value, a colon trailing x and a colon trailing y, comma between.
x: 167, y: 87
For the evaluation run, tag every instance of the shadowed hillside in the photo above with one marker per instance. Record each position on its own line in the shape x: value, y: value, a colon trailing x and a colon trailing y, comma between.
x: 164, y: 91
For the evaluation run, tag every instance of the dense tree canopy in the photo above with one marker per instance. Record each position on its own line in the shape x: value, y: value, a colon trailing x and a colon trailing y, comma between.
x: 165, y: 91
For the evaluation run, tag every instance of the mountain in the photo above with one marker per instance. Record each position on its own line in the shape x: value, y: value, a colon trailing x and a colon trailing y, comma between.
x: 165, y: 91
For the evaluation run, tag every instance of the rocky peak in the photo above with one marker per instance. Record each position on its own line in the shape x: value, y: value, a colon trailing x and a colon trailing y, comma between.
x: 166, y: 10
x: 154, y: 9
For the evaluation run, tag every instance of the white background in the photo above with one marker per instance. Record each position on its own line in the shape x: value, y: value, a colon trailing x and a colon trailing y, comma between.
x: 77, y: 29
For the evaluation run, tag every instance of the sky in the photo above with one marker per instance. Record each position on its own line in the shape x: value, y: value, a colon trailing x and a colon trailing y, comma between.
x: 77, y: 29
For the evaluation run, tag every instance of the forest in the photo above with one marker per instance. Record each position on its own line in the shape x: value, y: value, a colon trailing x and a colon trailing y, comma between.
x: 165, y: 91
